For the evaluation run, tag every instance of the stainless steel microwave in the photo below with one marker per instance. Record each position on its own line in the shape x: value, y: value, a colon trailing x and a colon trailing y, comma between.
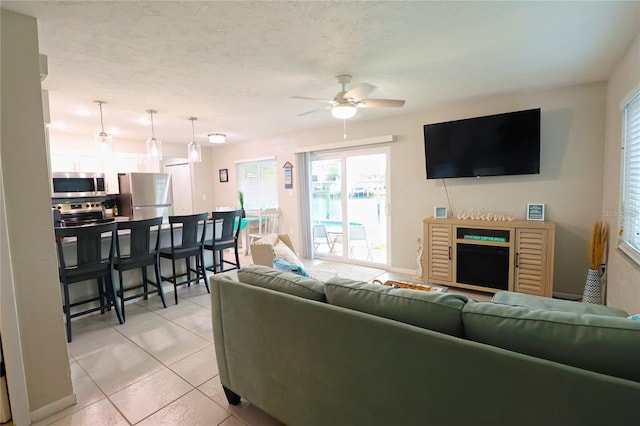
x: 78, y: 184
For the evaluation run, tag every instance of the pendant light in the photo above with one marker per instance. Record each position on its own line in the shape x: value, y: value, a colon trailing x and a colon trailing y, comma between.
x: 154, y: 145
x: 104, y: 140
x: 194, y: 152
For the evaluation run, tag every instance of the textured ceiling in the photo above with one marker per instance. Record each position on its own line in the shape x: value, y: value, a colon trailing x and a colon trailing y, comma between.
x: 236, y: 65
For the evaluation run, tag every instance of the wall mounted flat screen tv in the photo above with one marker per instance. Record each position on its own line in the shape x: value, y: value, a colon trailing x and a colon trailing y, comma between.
x: 493, y: 145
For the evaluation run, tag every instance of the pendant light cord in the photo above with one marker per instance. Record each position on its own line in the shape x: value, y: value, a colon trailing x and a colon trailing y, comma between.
x: 193, y: 129
x: 101, y: 122
x: 153, y: 133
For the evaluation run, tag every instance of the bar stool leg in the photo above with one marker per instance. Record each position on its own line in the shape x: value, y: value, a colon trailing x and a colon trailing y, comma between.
x: 156, y: 268
x: 202, y: 270
x: 67, y: 311
x: 121, y: 294
x: 111, y: 292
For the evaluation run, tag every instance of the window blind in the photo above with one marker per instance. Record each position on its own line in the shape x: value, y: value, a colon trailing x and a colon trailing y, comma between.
x: 631, y: 179
x: 258, y: 180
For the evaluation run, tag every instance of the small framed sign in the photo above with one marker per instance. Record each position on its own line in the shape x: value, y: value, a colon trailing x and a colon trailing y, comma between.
x: 224, y: 175
x: 535, y: 211
x: 288, y: 175
x: 440, y: 212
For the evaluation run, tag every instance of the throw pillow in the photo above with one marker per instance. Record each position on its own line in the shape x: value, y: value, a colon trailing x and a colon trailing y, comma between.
x: 283, y: 265
x: 282, y: 251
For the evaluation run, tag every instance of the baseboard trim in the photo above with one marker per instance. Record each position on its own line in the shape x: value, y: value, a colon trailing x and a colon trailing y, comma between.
x: 405, y: 271
x: 54, y: 407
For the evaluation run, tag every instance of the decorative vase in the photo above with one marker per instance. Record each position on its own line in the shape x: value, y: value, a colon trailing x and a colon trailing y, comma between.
x: 244, y: 214
x: 592, y: 289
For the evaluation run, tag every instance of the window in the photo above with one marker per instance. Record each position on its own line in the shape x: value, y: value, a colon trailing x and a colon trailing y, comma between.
x: 258, y: 180
x: 630, y: 243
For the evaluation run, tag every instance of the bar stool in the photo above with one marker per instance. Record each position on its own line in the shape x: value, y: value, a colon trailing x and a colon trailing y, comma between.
x: 137, y: 250
x: 185, y: 246
x: 94, y: 250
x: 226, y: 228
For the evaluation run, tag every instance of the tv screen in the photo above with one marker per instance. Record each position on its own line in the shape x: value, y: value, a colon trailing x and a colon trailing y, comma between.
x: 494, y: 145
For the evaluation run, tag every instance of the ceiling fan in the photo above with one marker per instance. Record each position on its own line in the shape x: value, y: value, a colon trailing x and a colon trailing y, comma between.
x: 346, y: 102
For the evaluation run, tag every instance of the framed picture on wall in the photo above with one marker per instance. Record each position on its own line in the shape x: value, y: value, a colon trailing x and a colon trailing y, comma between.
x: 224, y: 175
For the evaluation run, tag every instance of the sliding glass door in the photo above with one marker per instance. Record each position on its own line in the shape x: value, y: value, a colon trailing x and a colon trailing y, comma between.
x: 348, y: 192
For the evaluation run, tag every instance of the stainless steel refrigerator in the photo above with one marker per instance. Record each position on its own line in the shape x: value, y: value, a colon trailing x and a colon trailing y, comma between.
x: 145, y: 195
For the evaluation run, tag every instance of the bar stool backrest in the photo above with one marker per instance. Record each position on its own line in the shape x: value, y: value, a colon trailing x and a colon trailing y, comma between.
x: 193, y: 230
x: 226, y: 225
x: 92, y: 250
x: 141, y: 240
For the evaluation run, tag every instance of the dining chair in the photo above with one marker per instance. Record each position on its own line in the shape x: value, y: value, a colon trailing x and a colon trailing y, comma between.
x: 267, y: 224
x: 187, y: 241
x: 90, y: 257
x: 137, y: 247
x: 226, y: 229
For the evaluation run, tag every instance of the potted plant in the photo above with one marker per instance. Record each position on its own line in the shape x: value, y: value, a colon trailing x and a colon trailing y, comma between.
x: 241, y: 200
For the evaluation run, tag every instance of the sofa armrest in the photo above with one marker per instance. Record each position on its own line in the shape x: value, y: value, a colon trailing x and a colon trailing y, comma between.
x: 262, y: 250
x: 262, y: 254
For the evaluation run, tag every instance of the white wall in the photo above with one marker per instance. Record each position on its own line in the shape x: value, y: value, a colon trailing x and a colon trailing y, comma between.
x: 29, y: 226
x: 570, y: 183
x: 623, y: 283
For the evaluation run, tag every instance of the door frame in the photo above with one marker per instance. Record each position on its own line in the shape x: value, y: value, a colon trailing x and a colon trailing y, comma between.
x: 342, y: 155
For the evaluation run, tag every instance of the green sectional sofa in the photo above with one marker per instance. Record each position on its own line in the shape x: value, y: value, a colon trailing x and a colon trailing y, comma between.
x: 351, y: 353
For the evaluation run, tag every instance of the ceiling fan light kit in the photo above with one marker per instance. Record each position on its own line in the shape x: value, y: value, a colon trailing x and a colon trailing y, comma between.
x: 154, y: 145
x: 343, y: 111
x: 345, y: 103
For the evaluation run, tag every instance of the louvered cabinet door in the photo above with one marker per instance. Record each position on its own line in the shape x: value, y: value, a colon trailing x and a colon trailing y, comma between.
x: 532, y: 268
x: 439, y: 259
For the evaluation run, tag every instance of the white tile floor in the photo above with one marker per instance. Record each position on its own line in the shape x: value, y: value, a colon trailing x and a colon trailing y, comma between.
x: 159, y: 368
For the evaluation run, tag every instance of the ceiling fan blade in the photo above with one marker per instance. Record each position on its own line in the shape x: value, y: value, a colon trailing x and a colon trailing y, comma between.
x: 380, y: 103
x: 312, y: 99
x: 314, y: 110
x: 359, y: 91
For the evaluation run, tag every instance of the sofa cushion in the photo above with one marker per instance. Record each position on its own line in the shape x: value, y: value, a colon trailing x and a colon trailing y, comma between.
x: 434, y: 311
x: 285, y: 282
x: 545, y: 303
x: 603, y: 344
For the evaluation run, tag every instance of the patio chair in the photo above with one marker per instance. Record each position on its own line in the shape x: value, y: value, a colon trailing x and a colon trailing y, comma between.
x: 320, y: 237
x: 358, y: 238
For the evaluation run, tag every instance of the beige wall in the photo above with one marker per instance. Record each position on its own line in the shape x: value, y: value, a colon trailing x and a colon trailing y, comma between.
x: 623, y: 277
x: 29, y: 225
x: 570, y: 183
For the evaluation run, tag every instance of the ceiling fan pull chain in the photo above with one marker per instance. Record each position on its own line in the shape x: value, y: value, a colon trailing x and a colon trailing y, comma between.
x: 344, y: 124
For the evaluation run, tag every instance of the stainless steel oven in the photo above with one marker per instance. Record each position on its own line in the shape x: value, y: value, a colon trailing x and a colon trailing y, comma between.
x: 77, y: 184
